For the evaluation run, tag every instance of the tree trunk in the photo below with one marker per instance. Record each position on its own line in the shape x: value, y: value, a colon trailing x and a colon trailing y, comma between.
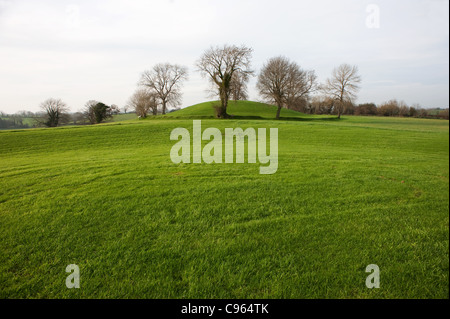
x: 340, y: 108
x: 163, y: 107
x: 221, y: 112
x: 279, y: 112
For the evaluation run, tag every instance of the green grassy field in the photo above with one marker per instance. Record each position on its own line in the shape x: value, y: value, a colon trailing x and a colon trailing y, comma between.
x: 347, y: 194
x: 124, y: 117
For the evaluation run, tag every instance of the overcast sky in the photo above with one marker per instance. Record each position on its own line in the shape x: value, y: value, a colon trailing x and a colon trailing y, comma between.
x: 97, y: 49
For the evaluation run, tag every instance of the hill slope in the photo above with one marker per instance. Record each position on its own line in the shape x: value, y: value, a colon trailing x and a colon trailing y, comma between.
x: 239, y: 109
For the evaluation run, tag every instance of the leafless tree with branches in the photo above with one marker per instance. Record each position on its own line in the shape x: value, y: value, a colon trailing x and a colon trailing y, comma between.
x: 284, y: 83
x: 144, y: 101
x: 55, y: 112
x: 220, y: 65
x: 165, y: 80
x: 343, y: 86
x: 89, y: 111
x: 238, y: 87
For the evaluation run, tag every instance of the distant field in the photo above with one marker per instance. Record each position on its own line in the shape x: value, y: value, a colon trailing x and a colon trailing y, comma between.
x: 124, y: 117
x: 25, y: 120
x: 348, y: 193
x: 116, y: 118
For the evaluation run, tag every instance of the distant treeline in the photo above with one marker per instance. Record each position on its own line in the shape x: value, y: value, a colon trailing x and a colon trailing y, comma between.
x: 12, y: 122
x: 318, y: 105
x: 32, y: 120
x: 322, y: 105
x: 56, y: 114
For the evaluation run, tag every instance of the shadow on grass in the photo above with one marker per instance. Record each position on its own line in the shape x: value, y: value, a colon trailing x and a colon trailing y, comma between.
x: 310, y: 119
x: 245, y: 117
x: 299, y: 119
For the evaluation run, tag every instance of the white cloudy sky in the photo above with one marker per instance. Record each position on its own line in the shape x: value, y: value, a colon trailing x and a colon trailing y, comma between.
x: 97, y: 49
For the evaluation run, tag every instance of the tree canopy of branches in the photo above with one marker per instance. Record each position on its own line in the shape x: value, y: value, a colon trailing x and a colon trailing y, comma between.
x: 284, y: 83
x: 96, y: 112
x: 165, y: 80
x: 225, y: 66
x: 238, y: 87
x: 55, y: 110
x: 144, y: 101
x: 343, y: 86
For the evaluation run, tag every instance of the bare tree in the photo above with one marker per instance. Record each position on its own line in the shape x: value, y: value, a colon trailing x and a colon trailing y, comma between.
x: 220, y: 65
x: 143, y: 101
x: 55, y: 111
x: 165, y: 80
x: 284, y: 83
x: 342, y: 86
x: 89, y: 111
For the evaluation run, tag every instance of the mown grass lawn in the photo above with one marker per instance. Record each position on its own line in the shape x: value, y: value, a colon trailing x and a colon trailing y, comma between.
x: 108, y: 198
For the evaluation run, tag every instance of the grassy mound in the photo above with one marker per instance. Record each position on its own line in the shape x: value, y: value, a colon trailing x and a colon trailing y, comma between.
x: 238, y: 109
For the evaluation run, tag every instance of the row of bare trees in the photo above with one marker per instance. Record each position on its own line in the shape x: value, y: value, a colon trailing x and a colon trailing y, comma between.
x: 228, y: 70
x: 321, y: 104
x: 281, y: 81
x: 55, y: 112
x: 398, y: 108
